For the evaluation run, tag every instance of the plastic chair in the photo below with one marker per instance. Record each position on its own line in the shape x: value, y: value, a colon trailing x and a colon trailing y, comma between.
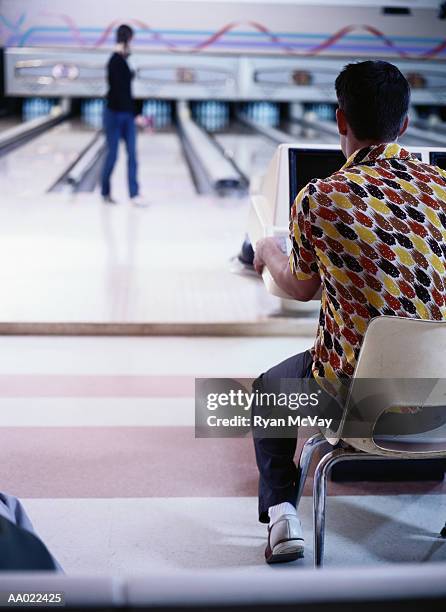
x: 402, y: 363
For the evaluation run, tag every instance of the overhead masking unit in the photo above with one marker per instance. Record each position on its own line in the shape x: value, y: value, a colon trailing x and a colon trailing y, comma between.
x: 396, y: 10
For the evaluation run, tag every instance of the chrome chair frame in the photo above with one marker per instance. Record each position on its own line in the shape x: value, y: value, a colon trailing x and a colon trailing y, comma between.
x: 387, y: 353
x: 338, y: 454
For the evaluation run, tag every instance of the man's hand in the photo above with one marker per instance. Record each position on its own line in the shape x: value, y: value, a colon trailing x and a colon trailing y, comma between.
x: 268, y: 252
x: 262, y: 250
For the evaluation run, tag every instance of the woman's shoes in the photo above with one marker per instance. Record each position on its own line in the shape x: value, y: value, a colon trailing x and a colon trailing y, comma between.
x: 108, y: 200
x: 139, y: 201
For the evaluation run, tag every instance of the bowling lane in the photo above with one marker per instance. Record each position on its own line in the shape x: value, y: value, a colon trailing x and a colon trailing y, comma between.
x: 301, y: 135
x: 129, y: 265
x: 409, y: 140
x: 163, y: 171
x: 252, y: 152
x: 32, y: 168
x: 311, y: 135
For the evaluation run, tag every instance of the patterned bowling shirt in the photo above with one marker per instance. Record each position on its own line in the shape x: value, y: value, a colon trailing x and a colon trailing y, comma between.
x: 375, y: 233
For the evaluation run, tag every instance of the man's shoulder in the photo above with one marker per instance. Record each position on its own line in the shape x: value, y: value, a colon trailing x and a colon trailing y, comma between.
x: 328, y: 184
x: 434, y: 170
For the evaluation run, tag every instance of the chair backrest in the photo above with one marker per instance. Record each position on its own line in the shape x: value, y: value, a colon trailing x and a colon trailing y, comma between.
x: 400, y: 347
x: 402, y: 364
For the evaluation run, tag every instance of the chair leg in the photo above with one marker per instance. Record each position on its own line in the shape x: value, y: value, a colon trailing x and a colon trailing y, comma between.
x: 305, y: 458
x: 320, y: 495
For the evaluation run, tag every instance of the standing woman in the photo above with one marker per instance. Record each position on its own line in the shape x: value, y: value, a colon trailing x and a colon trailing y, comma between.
x: 119, y: 118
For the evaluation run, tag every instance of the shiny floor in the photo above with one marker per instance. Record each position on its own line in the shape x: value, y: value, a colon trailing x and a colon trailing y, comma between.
x: 68, y: 259
x: 31, y: 169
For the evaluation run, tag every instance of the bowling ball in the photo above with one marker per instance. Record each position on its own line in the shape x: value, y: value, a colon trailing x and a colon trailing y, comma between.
x: 144, y: 122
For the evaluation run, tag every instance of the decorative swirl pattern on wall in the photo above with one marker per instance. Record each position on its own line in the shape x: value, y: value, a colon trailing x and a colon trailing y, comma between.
x: 226, y: 36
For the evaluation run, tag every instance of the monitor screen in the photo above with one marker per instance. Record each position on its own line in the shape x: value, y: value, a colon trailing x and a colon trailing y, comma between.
x: 307, y: 164
x: 438, y: 158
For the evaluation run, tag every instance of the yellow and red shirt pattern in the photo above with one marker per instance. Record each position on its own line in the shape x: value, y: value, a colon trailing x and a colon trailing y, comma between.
x: 375, y: 233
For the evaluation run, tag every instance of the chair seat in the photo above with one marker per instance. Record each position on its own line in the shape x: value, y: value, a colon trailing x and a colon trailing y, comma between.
x: 412, y: 444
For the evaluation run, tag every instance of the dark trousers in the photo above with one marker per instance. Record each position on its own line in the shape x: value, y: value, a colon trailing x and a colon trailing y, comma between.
x: 279, y: 478
x: 120, y: 125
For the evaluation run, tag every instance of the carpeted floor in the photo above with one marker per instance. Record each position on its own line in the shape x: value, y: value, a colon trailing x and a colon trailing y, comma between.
x: 97, y: 438
x: 134, y: 536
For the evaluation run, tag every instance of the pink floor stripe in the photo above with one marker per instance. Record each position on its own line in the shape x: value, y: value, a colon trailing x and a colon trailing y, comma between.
x: 92, y: 462
x: 33, y: 385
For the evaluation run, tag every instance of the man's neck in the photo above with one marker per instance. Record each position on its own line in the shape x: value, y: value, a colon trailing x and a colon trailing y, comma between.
x: 356, y: 145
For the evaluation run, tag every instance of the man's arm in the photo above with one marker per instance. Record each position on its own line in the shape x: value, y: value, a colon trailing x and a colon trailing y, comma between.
x: 269, y: 254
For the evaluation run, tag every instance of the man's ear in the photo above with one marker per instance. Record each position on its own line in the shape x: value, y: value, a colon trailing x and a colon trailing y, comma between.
x: 404, y: 126
x: 341, y: 121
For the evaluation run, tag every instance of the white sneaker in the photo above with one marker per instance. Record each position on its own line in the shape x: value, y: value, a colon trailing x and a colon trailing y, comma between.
x: 139, y: 201
x: 285, y: 540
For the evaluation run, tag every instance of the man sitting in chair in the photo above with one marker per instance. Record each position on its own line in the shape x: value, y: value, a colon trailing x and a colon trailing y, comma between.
x: 371, y: 239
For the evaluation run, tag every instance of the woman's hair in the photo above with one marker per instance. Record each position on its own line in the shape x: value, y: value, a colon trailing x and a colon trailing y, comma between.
x: 124, y: 34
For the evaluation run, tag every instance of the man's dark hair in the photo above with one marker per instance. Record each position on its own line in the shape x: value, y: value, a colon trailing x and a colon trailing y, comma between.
x: 124, y: 33
x: 374, y: 96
